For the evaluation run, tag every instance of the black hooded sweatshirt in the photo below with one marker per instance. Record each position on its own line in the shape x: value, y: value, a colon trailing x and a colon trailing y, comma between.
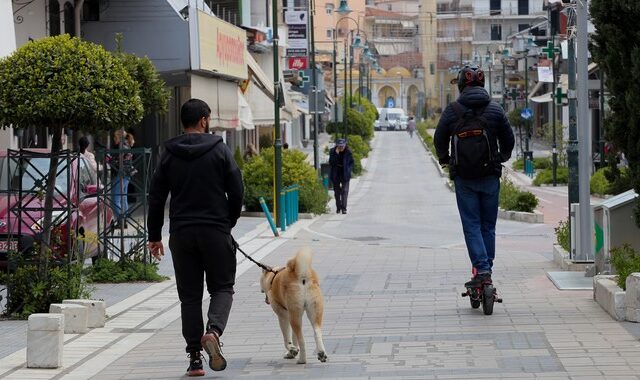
x: 205, y: 183
x: 501, y: 137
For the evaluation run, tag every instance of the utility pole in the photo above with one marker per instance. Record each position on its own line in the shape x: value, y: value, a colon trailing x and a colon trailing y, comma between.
x: 552, y: 55
x: 526, y: 96
x: 314, y: 87
x: 276, y: 115
x: 335, y: 81
x: 572, y: 144
x: 344, y: 94
x: 584, y: 134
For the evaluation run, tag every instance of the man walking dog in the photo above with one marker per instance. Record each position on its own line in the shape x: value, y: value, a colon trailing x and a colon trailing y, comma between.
x: 205, y: 184
x: 481, y: 139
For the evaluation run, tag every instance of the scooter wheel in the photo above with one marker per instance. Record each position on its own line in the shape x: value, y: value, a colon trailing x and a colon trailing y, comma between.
x: 487, y: 299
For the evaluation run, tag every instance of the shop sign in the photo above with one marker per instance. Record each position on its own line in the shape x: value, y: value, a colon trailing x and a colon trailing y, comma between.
x: 221, y: 46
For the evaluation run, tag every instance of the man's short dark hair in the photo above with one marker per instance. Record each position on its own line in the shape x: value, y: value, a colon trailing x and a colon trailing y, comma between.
x: 192, y: 111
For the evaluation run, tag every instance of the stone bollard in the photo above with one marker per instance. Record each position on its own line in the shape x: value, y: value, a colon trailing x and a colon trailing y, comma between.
x: 96, y: 310
x: 632, y: 298
x: 45, y: 340
x: 75, y: 317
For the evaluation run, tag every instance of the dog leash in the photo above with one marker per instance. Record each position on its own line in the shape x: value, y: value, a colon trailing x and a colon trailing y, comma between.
x: 236, y: 247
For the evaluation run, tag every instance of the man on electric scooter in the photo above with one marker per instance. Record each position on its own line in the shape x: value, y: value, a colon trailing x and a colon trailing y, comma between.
x: 474, y: 138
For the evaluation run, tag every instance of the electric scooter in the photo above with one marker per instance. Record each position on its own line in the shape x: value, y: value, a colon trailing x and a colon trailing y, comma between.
x: 484, y: 295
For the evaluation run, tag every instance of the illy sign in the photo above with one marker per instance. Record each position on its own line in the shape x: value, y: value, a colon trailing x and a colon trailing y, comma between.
x: 298, y: 63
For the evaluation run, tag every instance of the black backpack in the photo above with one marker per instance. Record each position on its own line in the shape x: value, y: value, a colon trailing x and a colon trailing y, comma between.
x: 471, y: 155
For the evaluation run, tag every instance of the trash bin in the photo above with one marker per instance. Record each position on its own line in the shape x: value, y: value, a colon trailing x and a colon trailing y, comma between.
x: 325, y: 168
x: 614, y: 226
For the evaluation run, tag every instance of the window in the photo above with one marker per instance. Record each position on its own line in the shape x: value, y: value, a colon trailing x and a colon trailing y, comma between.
x: 496, y: 32
x: 330, y: 33
x: 523, y: 7
x: 54, y: 18
x: 91, y: 10
x: 495, y: 7
x: 69, y: 20
x: 522, y: 27
x: 389, y: 7
x: 328, y: 7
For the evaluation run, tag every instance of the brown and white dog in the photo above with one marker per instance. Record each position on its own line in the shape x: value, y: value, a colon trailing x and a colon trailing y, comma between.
x: 291, y: 291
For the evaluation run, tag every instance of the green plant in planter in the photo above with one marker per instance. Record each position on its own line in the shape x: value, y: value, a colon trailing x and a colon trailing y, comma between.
x: 625, y: 260
x: 108, y: 271
x: 563, y: 235
x: 513, y: 199
x: 258, y: 181
x: 32, y: 291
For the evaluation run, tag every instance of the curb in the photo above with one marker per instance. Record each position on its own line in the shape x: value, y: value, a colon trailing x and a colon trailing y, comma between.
x: 447, y: 182
x: 520, y: 216
x: 260, y: 214
x: 561, y: 258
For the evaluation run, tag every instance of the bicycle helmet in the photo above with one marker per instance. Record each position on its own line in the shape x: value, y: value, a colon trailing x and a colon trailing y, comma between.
x: 470, y: 76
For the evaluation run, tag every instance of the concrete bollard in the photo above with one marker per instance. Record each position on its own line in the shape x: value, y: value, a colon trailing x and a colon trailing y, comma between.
x: 75, y: 317
x: 632, y: 298
x: 96, y: 310
x: 45, y: 340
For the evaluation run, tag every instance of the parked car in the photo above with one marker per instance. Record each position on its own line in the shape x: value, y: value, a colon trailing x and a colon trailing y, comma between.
x: 79, y: 185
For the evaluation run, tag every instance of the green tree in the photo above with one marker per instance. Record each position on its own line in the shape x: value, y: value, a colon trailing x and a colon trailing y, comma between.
x: 64, y: 82
x: 615, y: 49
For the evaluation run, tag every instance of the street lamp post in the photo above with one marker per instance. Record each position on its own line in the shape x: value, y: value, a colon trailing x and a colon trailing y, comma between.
x: 344, y: 10
x: 276, y: 117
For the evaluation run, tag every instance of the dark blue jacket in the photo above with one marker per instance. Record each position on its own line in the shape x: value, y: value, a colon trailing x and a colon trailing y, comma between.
x: 347, y: 164
x: 499, y: 130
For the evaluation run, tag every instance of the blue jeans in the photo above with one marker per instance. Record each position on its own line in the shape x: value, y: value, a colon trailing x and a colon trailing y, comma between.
x: 120, y: 190
x: 478, y: 206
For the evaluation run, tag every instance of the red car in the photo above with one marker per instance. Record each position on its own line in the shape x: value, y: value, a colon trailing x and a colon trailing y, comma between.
x: 80, y: 184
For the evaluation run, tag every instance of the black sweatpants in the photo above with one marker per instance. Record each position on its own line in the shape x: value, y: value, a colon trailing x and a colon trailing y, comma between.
x: 196, y: 251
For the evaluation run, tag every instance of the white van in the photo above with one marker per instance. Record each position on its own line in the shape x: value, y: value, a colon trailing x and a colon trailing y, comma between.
x: 391, y: 119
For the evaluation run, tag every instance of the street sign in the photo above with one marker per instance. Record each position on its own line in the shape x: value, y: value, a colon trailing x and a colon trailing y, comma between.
x: 298, y: 63
x: 526, y: 113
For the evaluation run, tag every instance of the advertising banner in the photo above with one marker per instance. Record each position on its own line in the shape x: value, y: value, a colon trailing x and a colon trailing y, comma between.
x: 221, y: 47
x: 298, y: 63
x: 297, y: 42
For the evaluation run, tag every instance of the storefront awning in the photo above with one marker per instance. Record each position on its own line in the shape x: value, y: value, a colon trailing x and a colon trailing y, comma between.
x: 259, y: 77
x: 546, y: 98
x: 222, y: 98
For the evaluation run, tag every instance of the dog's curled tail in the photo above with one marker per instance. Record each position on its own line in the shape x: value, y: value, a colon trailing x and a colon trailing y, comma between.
x: 301, y: 264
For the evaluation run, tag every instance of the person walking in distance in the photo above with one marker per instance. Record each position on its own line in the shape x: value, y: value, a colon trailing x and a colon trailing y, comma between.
x: 411, y: 126
x: 205, y: 184
x: 341, y: 165
x: 474, y: 138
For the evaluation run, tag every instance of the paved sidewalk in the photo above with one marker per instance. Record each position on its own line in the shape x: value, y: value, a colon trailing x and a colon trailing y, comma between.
x: 391, y: 273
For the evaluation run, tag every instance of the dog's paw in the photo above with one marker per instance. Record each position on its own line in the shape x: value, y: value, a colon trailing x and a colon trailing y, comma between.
x: 322, y: 357
x: 291, y: 354
x: 302, y: 360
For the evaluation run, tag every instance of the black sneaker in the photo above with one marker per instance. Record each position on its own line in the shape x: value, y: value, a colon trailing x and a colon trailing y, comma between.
x: 344, y: 210
x: 479, y: 280
x: 195, y: 364
x: 211, y: 343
